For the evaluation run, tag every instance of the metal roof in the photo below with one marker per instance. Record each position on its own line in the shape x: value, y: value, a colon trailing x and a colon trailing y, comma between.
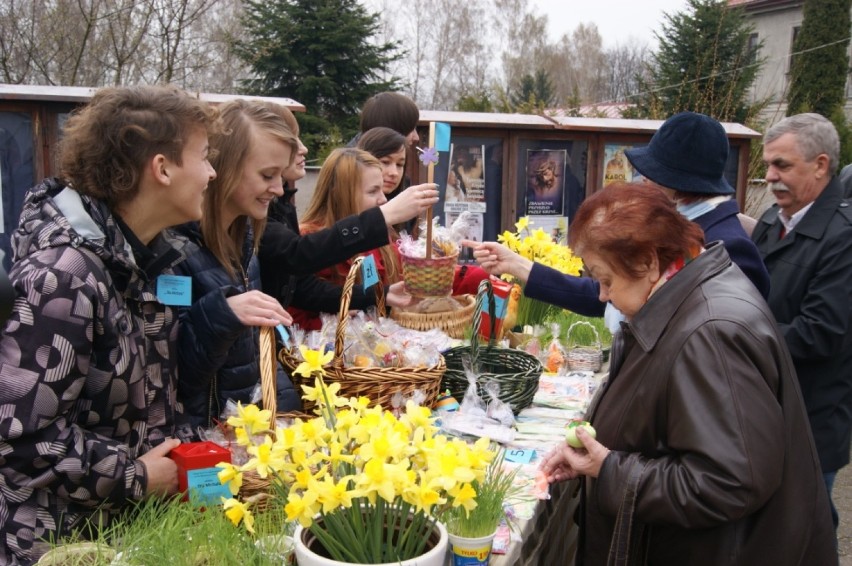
x: 555, y: 123
x: 80, y: 94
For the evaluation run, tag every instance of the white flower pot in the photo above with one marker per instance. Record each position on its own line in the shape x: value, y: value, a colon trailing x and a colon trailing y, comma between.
x: 436, y: 556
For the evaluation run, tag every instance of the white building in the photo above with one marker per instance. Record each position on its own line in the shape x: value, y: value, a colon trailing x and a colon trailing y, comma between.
x: 776, y: 23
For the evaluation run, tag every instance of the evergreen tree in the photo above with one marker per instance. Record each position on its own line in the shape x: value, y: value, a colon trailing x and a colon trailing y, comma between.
x: 320, y: 53
x: 534, y: 93
x: 821, y: 64
x: 703, y: 64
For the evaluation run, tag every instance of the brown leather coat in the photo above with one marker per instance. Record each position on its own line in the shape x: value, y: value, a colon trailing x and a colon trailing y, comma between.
x: 707, y: 398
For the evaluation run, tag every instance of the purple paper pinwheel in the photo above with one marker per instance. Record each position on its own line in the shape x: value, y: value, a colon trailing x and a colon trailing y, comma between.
x: 428, y: 155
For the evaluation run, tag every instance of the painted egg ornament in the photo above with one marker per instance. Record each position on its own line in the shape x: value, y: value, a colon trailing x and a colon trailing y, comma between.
x: 571, y: 433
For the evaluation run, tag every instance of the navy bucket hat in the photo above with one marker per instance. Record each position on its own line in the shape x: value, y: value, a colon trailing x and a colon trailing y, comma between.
x: 688, y: 153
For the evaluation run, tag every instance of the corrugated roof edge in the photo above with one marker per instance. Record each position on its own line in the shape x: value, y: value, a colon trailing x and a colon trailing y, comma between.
x: 82, y: 94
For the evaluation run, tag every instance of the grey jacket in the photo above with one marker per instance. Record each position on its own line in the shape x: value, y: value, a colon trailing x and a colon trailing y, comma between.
x: 87, y: 370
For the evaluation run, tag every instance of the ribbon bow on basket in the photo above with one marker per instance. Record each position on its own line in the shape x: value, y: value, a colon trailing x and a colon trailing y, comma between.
x: 516, y: 372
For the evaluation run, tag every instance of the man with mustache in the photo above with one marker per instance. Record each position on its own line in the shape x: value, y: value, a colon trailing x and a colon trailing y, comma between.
x: 805, y: 239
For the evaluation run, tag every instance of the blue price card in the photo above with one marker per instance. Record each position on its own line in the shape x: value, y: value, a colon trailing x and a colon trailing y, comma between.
x: 369, y: 273
x: 519, y: 455
x: 499, y: 306
x: 442, y: 136
x: 204, y: 486
x: 175, y: 290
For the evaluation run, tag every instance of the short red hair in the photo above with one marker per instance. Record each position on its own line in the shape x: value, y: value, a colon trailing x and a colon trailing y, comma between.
x: 628, y: 224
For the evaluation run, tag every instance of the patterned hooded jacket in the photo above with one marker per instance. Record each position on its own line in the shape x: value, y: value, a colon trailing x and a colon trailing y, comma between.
x: 87, y: 370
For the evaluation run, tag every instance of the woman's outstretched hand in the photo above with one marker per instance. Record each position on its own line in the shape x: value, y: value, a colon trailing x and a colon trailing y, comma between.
x: 497, y: 259
x: 410, y: 203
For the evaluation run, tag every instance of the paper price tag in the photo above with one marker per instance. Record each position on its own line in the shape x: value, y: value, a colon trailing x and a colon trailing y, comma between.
x: 520, y: 456
x: 205, y: 487
x: 174, y: 290
x: 369, y: 273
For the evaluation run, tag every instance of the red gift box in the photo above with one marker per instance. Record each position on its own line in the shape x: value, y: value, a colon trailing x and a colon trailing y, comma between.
x: 197, y: 471
x: 502, y: 289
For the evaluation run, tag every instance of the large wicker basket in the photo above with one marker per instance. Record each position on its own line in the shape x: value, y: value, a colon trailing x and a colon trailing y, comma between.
x: 453, y: 323
x: 515, y: 371
x: 379, y: 384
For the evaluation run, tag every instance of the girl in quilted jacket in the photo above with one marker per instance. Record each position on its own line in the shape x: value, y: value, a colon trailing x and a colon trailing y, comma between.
x: 219, y: 334
x: 88, y: 409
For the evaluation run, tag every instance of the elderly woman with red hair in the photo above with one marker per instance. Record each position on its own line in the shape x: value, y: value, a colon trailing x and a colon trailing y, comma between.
x: 703, y: 453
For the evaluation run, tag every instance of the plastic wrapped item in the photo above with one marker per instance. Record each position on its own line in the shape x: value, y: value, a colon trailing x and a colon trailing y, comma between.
x: 472, y: 404
x: 553, y: 358
x: 497, y: 409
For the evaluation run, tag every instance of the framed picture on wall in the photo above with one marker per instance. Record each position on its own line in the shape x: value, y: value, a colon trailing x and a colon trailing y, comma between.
x: 616, y: 167
x: 545, y: 181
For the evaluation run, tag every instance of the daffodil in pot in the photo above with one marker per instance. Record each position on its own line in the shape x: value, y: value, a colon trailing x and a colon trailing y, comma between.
x: 364, y: 486
x: 538, y: 246
x: 472, y: 530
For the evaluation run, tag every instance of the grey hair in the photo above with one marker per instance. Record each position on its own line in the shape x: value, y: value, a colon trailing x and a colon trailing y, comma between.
x: 814, y: 133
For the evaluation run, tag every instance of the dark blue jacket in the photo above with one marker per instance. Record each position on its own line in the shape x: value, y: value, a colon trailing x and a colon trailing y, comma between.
x: 580, y: 294
x: 218, y: 356
x: 812, y: 301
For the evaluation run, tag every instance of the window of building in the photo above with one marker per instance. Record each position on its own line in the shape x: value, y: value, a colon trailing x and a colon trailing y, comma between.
x: 793, y: 47
x: 751, y: 49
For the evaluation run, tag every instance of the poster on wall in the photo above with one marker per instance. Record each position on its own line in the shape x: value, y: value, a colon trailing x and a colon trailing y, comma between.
x: 465, y: 180
x: 545, y: 176
x: 616, y: 165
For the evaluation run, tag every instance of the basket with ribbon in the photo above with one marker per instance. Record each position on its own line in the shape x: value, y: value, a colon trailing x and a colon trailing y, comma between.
x: 516, y: 372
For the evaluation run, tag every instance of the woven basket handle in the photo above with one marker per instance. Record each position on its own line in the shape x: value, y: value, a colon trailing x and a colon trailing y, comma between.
x: 590, y: 325
x: 486, y: 289
x: 268, y: 370
x: 343, y: 313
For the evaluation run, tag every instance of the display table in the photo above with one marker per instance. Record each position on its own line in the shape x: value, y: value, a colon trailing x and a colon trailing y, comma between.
x: 550, y: 537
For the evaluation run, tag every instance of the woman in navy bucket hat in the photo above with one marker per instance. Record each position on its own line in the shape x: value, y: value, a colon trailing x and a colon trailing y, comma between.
x: 687, y: 155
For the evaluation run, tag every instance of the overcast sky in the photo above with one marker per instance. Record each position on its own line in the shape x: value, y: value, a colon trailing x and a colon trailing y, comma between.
x: 616, y: 19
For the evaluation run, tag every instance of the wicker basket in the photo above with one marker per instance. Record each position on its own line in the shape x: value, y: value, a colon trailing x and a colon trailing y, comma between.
x: 515, y: 371
x: 453, y: 323
x: 584, y: 358
x: 379, y: 384
x: 431, y: 277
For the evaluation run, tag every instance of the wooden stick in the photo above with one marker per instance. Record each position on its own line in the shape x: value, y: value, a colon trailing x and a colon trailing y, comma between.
x: 430, y: 178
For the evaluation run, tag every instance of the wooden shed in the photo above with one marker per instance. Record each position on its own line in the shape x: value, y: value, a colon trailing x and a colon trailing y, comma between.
x: 504, y: 166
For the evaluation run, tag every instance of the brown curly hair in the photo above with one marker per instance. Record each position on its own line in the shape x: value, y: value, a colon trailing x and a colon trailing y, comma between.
x: 107, y: 142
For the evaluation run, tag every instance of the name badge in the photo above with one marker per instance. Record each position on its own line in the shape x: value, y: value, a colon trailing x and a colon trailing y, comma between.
x: 174, y: 290
x: 369, y: 273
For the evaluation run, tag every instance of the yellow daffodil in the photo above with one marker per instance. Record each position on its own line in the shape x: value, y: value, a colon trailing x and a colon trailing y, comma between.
x: 301, y: 508
x: 237, y: 511
x: 252, y: 418
x: 464, y: 496
x: 314, y: 362
x: 230, y: 475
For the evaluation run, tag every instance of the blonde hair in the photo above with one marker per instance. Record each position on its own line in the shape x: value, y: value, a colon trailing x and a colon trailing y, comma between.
x: 239, y: 119
x: 337, y: 195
